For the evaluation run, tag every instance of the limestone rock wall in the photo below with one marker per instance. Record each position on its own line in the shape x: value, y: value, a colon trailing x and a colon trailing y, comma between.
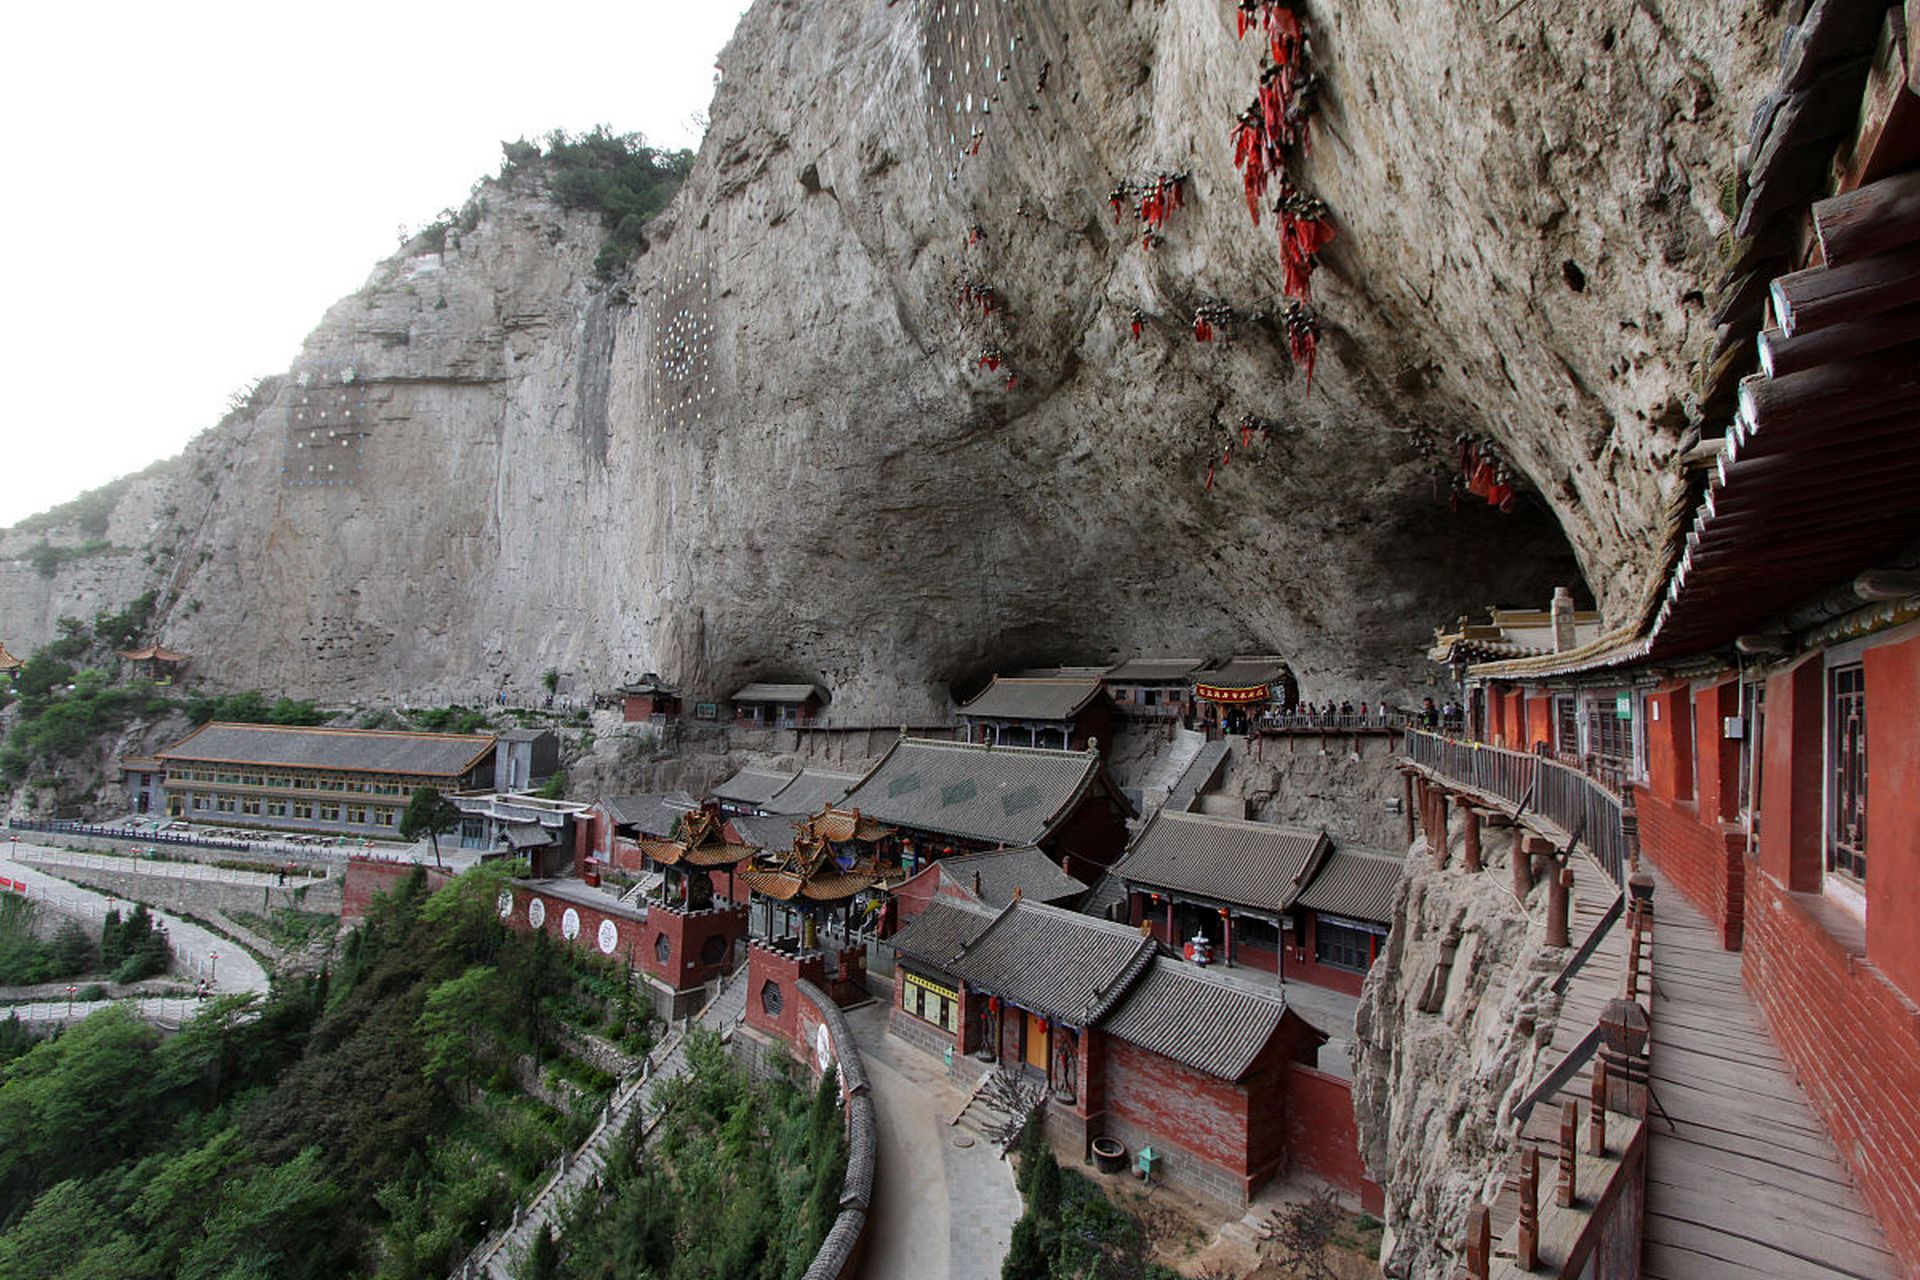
x: 770, y: 451
x: 1453, y: 1019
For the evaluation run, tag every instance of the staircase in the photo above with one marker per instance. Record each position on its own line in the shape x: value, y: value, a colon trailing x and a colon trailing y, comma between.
x: 1205, y: 770
x: 980, y: 1114
x: 1170, y: 768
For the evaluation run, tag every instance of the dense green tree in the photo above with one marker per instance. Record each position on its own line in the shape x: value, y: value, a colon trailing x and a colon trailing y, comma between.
x: 454, y: 1025
x: 429, y: 814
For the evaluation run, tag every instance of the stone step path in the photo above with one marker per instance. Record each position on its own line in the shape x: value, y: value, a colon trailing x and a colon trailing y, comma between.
x: 1200, y: 775
x: 497, y: 1258
x: 1170, y: 768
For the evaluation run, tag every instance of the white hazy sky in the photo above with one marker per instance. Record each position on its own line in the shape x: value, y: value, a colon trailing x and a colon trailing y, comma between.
x: 188, y: 187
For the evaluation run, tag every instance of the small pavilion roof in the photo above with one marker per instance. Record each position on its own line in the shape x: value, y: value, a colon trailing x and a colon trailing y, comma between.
x: 8, y: 662
x: 1250, y: 864
x: 152, y: 653
x: 1053, y: 698
x: 1245, y: 671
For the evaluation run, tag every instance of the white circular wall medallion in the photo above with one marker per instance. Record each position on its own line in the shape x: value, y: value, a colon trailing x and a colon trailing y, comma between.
x: 609, y: 937
x: 570, y: 924
x: 822, y: 1047
x: 537, y: 912
x: 505, y: 904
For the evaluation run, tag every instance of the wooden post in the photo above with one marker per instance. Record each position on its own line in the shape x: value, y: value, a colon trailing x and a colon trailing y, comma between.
x: 1407, y: 780
x: 1526, y: 1253
x: 1559, y: 891
x: 1565, y: 1192
x: 1868, y: 220
x: 1440, y: 829
x: 1623, y: 1054
x: 1597, y: 1110
x: 1472, y: 852
x: 1479, y: 1242
x: 1522, y: 868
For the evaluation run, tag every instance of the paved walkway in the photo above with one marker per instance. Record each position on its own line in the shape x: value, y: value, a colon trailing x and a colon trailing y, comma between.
x: 940, y: 1211
x: 496, y: 1258
x: 160, y: 868
x: 197, y: 952
x: 1746, y: 1183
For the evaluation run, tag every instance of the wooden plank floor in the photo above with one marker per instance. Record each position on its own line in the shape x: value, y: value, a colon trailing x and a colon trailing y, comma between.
x: 1745, y: 1182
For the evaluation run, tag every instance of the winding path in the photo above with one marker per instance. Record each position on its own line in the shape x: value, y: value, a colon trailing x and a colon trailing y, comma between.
x: 197, y: 952
x: 940, y: 1211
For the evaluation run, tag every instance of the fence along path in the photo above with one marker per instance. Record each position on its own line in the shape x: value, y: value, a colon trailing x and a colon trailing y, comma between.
x: 135, y: 865
x: 497, y: 1257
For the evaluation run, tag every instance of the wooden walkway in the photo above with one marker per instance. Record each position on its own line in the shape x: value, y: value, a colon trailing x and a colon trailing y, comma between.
x: 1598, y: 981
x: 1746, y: 1182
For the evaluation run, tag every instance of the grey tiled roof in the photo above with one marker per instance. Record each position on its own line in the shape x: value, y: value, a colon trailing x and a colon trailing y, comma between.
x: 1244, y: 671
x: 445, y: 755
x: 774, y: 833
x: 1006, y: 795
x: 760, y: 692
x: 1030, y: 870
x: 653, y: 814
x: 751, y: 786
x: 939, y: 932
x: 1049, y: 699
x: 523, y: 735
x: 527, y: 835
x: 1249, y: 864
x: 1205, y: 1020
x: 1155, y: 670
x: 1358, y: 883
x: 811, y: 791
x: 1056, y: 962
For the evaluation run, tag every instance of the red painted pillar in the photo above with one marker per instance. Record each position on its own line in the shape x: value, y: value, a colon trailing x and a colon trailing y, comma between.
x: 1473, y: 837
x: 1440, y: 830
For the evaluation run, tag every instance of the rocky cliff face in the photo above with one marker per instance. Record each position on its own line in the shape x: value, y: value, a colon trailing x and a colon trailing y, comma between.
x: 771, y: 449
x: 1454, y: 1016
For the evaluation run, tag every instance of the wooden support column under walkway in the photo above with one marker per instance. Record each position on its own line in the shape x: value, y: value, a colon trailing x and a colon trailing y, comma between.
x: 1746, y: 1183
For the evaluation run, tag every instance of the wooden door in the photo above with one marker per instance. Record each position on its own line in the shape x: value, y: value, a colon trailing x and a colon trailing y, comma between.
x: 1036, y: 1041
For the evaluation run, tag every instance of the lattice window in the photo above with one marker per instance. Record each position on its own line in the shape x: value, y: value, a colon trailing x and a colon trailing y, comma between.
x: 1341, y: 947
x: 1847, y: 779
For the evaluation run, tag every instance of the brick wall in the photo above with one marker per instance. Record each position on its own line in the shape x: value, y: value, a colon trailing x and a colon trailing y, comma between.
x: 783, y: 969
x: 1893, y: 809
x: 1852, y: 1039
x: 584, y: 930
x: 700, y: 945
x: 1197, y: 1123
x: 1321, y: 1136
x: 366, y: 877
x: 1704, y: 859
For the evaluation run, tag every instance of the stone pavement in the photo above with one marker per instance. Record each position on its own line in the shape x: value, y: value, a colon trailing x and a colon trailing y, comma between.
x: 496, y: 1257
x: 940, y: 1211
x: 194, y: 949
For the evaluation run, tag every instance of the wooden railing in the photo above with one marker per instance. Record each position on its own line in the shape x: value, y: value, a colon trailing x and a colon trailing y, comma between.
x: 1584, y: 810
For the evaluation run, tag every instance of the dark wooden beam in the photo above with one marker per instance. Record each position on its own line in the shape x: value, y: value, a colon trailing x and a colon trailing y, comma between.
x: 1869, y: 220
x: 1819, y: 296
x: 1781, y: 355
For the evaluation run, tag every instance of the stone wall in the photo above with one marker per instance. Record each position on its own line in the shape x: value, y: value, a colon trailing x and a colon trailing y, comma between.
x: 203, y: 899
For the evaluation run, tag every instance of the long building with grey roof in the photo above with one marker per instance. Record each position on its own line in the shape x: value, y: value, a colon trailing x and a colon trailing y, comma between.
x: 353, y: 782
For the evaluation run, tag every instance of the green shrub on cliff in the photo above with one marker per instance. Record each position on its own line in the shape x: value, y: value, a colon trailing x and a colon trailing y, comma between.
x: 615, y: 174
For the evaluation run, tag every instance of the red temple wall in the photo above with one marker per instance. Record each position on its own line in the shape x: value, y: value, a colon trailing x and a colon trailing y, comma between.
x: 1202, y: 1118
x: 1321, y: 1135
x: 1092, y: 837
x: 1893, y: 809
x: 1706, y: 863
x: 1853, y: 1041
x: 627, y: 933
x: 766, y: 965
x: 687, y: 933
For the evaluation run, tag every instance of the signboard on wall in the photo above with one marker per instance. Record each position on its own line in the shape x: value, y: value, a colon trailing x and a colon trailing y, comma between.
x: 1623, y: 706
